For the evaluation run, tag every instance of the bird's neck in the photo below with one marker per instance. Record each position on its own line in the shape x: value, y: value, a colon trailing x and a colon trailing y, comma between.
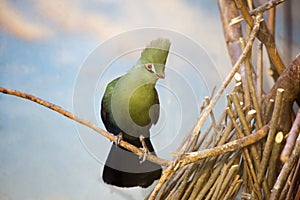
x: 138, y: 76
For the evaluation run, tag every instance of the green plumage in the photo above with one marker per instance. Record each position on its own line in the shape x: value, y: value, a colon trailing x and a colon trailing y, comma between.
x: 130, y: 106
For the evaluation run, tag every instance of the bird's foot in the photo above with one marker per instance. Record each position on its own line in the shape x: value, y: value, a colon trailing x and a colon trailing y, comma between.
x: 119, y: 137
x: 145, y: 150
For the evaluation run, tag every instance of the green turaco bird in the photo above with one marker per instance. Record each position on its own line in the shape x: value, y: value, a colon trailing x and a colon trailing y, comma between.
x: 129, y: 107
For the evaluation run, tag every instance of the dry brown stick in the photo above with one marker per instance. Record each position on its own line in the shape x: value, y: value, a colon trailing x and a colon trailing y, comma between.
x: 191, y: 157
x: 284, y: 173
x: 197, y: 182
x: 230, y: 189
x: 273, y: 163
x: 236, y: 190
x: 216, y: 179
x: 291, y: 140
x: 191, y: 185
x: 218, y: 183
x: 205, y: 176
x: 259, y: 72
x: 286, y: 187
x: 69, y: 115
x: 271, y: 137
x: 268, y: 110
x: 169, y: 171
x: 225, y: 134
x: 246, y: 128
x: 289, y: 80
x: 260, y: 9
x: 173, y: 183
x: 200, y: 193
x: 233, y: 34
x: 295, y: 181
x: 232, y: 172
x: 246, y: 179
x: 206, y: 112
x: 253, y: 93
x: 265, y: 37
x: 166, y: 174
x: 288, y: 17
x: 212, y: 189
x: 213, y: 120
x: 203, y: 137
x: 298, y: 193
x: 179, y: 192
x: 271, y: 21
x: 246, y: 155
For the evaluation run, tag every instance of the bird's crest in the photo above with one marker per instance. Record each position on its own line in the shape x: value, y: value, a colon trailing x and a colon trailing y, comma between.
x: 157, y: 51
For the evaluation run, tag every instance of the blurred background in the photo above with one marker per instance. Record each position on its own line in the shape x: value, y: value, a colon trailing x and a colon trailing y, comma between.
x: 44, y: 47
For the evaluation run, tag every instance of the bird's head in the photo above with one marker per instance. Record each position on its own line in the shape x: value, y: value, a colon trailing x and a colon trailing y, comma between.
x: 154, y: 56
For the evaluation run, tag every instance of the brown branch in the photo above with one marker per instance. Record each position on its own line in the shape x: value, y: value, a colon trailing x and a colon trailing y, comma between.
x: 295, y: 181
x: 291, y: 140
x: 69, y: 115
x: 233, y: 34
x: 188, y: 158
x: 271, y: 136
x: 246, y: 155
x: 246, y: 128
x: 285, y: 172
x: 289, y: 80
x: 266, y: 38
x: 206, y: 112
x: 260, y: 9
x: 259, y: 81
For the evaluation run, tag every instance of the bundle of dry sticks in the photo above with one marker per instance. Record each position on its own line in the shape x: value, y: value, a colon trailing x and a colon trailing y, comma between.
x: 252, y: 151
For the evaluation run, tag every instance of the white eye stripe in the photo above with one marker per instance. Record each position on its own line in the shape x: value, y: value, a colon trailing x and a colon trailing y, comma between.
x: 153, y: 69
x: 150, y: 67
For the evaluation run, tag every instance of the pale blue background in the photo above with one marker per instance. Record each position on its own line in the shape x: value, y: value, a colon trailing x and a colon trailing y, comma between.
x: 43, y: 45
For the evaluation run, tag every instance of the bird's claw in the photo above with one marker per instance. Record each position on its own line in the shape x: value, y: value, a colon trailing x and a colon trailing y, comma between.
x: 145, y: 150
x: 119, y: 137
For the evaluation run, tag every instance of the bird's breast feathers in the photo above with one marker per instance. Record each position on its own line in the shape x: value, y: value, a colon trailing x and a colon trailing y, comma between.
x: 135, y: 107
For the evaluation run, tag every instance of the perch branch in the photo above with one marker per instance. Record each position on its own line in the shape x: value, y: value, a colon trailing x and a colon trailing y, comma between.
x: 69, y: 115
x: 188, y: 158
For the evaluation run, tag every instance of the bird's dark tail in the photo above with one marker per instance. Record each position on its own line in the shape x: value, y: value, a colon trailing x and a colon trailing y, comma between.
x: 124, y: 169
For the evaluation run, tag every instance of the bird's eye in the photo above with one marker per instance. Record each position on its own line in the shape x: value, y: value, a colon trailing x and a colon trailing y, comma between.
x: 149, y: 67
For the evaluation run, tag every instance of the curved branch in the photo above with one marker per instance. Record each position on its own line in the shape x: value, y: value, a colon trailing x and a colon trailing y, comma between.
x: 69, y: 115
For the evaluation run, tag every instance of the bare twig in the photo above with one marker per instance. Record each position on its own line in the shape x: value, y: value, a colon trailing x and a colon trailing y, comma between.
x: 291, y: 140
x: 281, y: 180
x: 271, y: 137
x: 69, y: 115
x: 266, y: 38
x: 259, y: 72
x: 228, y: 147
x: 260, y: 9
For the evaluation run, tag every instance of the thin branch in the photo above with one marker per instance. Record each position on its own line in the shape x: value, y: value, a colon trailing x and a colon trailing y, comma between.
x: 271, y: 137
x: 287, y: 167
x: 260, y: 9
x: 69, y: 115
x: 291, y: 140
x: 227, y: 80
x: 266, y: 38
x: 188, y: 158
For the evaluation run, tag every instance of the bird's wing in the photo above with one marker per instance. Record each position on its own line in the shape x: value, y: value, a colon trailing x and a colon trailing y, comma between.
x: 155, y: 110
x: 106, y: 111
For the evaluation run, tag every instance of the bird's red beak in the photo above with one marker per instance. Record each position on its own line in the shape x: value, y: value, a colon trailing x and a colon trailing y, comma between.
x: 162, y: 76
